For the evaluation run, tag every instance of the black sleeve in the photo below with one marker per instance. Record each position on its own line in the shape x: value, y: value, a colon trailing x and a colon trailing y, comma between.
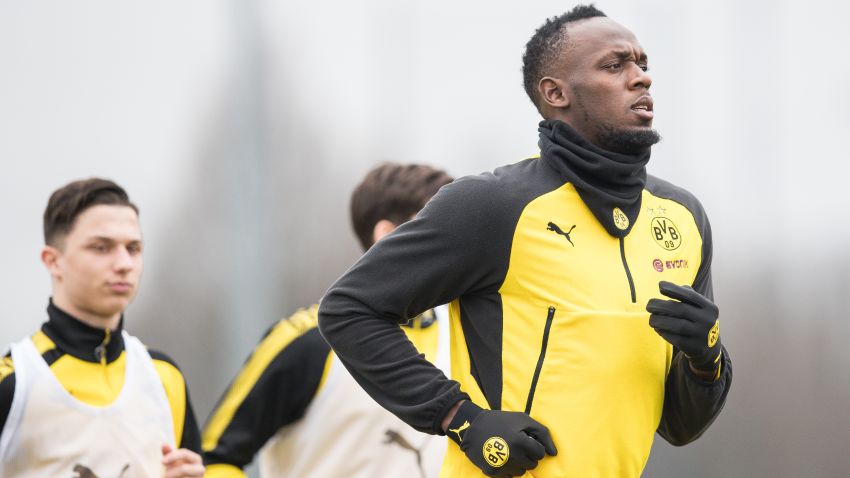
x: 191, y: 439
x: 7, y: 389
x: 444, y: 253
x: 690, y: 403
x: 266, y: 395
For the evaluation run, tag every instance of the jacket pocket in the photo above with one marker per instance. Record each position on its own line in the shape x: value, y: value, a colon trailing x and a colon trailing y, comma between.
x: 550, y: 316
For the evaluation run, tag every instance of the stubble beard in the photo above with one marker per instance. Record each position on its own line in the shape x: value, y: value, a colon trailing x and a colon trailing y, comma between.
x: 627, y: 140
x: 624, y: 140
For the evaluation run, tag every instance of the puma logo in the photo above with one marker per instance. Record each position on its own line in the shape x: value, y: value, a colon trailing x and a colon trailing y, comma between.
x: 465, y: 423
x: 554, y: 228
x: 84, y: 471
x: 393, y: 436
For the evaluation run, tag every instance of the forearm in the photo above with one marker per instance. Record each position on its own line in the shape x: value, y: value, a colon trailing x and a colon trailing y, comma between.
x: 441, y: 255
x: 273, y: 389
x: 690, y: 403
x: 444, y: 425
x: 385, y: 363
x: 706, y: 375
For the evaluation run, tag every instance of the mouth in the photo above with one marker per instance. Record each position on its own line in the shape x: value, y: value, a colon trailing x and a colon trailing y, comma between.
x: 643, y: 107
x: 120, y: 287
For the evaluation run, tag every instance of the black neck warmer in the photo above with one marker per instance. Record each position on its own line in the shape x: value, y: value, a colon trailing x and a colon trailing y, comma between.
x: 81, y: 340
x: 609, y: 183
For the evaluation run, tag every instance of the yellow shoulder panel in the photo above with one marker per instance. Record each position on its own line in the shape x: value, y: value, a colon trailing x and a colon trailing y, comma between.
x: 175, y: 391
x: 280, y: 337
x: 42, y: 342
x: 6, y: 367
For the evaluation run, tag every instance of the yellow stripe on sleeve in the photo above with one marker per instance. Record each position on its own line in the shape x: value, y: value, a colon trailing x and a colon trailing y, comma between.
x: 281, y: 336
x: 719, y: 366
x: 325, y: 372
x: 221, y: 470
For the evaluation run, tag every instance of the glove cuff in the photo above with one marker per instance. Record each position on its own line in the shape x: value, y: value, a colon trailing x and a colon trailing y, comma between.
x: 709, y: 361
x: 466, y: 414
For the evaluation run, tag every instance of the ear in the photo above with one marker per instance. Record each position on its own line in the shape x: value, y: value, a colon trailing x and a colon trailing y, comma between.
x: 50, y: 257
x: 553, y: 92
x: 382, y: 228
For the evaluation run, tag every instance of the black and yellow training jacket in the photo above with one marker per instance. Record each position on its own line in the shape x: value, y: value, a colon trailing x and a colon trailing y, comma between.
x: 90, y: 362
x: 273, y: 389
x: 548, y: 264
x: 275, y: 392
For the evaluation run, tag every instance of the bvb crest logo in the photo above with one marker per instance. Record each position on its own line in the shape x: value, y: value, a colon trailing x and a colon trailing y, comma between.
x: 665, y: 233
x: 496, y: 452
x: 620, y: 219
x: 713, y: 334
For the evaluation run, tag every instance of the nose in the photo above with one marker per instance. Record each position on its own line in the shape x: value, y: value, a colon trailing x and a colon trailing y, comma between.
x: 123, y: 260
x: 641, y: 79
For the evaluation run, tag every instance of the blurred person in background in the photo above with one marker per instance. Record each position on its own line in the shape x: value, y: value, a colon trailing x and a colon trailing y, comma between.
x: 581, y: 299
x: 81, y: 397
x: 295, y: 404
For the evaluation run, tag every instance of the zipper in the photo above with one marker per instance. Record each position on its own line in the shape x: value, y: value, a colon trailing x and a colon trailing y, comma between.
x: 626, y: 267
x: 100, y: 350
x: 549, y: 317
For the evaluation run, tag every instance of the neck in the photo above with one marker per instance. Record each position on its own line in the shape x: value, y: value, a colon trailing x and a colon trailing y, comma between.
x: 85, y: 316
x: 609, y: 183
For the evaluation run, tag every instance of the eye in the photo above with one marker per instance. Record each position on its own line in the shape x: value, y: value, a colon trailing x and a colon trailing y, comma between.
x: 134, y: 249
x: 615, y: 66
x: 100, y: 248
x: 643, y: 66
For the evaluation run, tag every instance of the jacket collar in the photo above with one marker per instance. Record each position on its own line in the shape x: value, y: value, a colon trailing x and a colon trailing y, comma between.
x: 610, y: 184
x: 81, y: 340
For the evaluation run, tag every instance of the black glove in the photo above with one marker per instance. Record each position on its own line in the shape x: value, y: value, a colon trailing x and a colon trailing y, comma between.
x: 502, y: 444
x: 689, y: 323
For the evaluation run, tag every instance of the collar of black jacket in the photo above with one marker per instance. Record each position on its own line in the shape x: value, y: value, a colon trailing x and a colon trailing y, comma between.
x: 609, y: 183
x: 81, y: 340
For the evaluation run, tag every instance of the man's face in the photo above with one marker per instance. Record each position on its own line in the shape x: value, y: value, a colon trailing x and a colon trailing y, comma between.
x: 604, y: 71
x: 96, y: 270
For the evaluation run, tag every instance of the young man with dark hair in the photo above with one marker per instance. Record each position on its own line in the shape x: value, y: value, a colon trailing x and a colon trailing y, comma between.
x: 390, y: 195
x: 81, y: 396
x: 294, y: 402
x: 572, y: 342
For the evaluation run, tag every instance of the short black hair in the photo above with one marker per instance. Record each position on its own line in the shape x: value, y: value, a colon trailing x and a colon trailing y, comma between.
x: 546, y: 45
x: 69, y: 201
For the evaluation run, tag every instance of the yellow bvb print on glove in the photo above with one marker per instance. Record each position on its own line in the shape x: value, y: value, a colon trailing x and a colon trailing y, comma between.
x: 501, y: 443
x: 689, y: 321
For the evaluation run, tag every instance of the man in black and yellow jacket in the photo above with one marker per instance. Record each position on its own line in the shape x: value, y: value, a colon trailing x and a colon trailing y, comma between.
x: 580, y: 287
x: 294, y: 404
x: 81, y: 396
